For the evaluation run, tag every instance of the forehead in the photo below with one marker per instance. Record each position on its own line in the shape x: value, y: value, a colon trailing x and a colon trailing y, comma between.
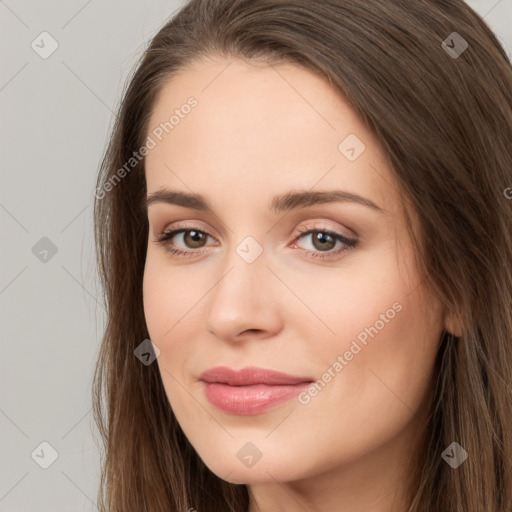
x: 260, y: 127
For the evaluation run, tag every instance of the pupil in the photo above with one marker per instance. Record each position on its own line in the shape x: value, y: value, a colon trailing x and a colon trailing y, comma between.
x: 193, y: 238
x: 323, y: 238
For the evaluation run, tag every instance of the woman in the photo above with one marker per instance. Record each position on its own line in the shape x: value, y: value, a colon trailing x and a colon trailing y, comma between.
x: 303, y: 231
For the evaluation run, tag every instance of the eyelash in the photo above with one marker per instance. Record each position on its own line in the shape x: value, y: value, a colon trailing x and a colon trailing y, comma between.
x: 163, y: 239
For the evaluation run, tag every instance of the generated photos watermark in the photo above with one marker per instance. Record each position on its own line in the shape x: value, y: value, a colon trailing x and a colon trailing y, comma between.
x: 157, y: 133
x: 343, y: 360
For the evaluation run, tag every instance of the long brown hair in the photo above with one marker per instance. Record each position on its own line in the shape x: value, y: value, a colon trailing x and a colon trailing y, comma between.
x: 443, y: 113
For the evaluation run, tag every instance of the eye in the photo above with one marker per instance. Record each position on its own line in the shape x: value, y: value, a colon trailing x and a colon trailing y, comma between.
x: 323, y: 241
x: 192, y: 237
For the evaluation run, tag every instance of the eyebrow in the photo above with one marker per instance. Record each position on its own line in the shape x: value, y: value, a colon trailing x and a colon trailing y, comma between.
x: 286, y: 202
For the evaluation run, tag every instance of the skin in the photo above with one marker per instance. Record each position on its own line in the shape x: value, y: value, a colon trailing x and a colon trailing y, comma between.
x: 260, y: 131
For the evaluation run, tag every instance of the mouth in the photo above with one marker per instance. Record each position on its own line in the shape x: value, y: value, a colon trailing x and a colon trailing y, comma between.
x: 250, y: 390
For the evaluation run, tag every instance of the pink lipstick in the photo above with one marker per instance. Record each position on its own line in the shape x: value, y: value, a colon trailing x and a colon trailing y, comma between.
x: 250, y: 390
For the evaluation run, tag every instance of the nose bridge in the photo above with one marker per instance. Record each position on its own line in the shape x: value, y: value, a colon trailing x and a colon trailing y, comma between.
x: 244, y: 273
x: 239, y: 299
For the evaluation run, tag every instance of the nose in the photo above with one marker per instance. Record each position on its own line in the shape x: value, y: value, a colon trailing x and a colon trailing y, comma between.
x: 244, y: 302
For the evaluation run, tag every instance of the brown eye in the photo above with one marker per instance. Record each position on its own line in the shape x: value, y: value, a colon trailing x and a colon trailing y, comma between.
x: 323, y: 241
x: 191, y: 239
x: 194, y: 239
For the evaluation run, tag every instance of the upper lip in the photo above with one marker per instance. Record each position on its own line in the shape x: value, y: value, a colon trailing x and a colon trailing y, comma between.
x: 250, y: 376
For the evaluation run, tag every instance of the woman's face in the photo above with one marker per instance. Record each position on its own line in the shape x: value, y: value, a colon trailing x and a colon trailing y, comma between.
x: 269, y: 281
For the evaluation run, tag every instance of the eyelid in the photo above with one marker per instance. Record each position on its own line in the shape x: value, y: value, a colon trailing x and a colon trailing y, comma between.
x: 348, y: 242
x: 307, y: 226
x: 322, y: 226
x: 193, y: 224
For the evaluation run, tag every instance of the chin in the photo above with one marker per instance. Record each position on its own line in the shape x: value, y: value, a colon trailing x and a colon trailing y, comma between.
x: 263, y: 471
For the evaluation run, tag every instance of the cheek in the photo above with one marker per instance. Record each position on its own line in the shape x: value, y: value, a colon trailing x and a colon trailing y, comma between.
x: 358, y: 301
x: 378, y: 341
x: 382, y: 357
x: 173, y: 298
x: 168, y: 309
x: 374, y: 375
x: 169, y: 295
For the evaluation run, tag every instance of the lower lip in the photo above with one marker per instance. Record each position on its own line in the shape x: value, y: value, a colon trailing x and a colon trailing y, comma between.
x: 253, y: 399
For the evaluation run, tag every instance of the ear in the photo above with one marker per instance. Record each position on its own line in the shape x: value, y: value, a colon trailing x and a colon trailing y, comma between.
x: 453, y: 324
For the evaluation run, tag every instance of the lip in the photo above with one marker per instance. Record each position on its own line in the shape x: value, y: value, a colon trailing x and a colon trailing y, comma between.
x: 249, y: 376
x: 250, y: 390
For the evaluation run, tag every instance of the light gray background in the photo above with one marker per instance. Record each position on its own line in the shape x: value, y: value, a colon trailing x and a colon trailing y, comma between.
x: 56, y: 114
